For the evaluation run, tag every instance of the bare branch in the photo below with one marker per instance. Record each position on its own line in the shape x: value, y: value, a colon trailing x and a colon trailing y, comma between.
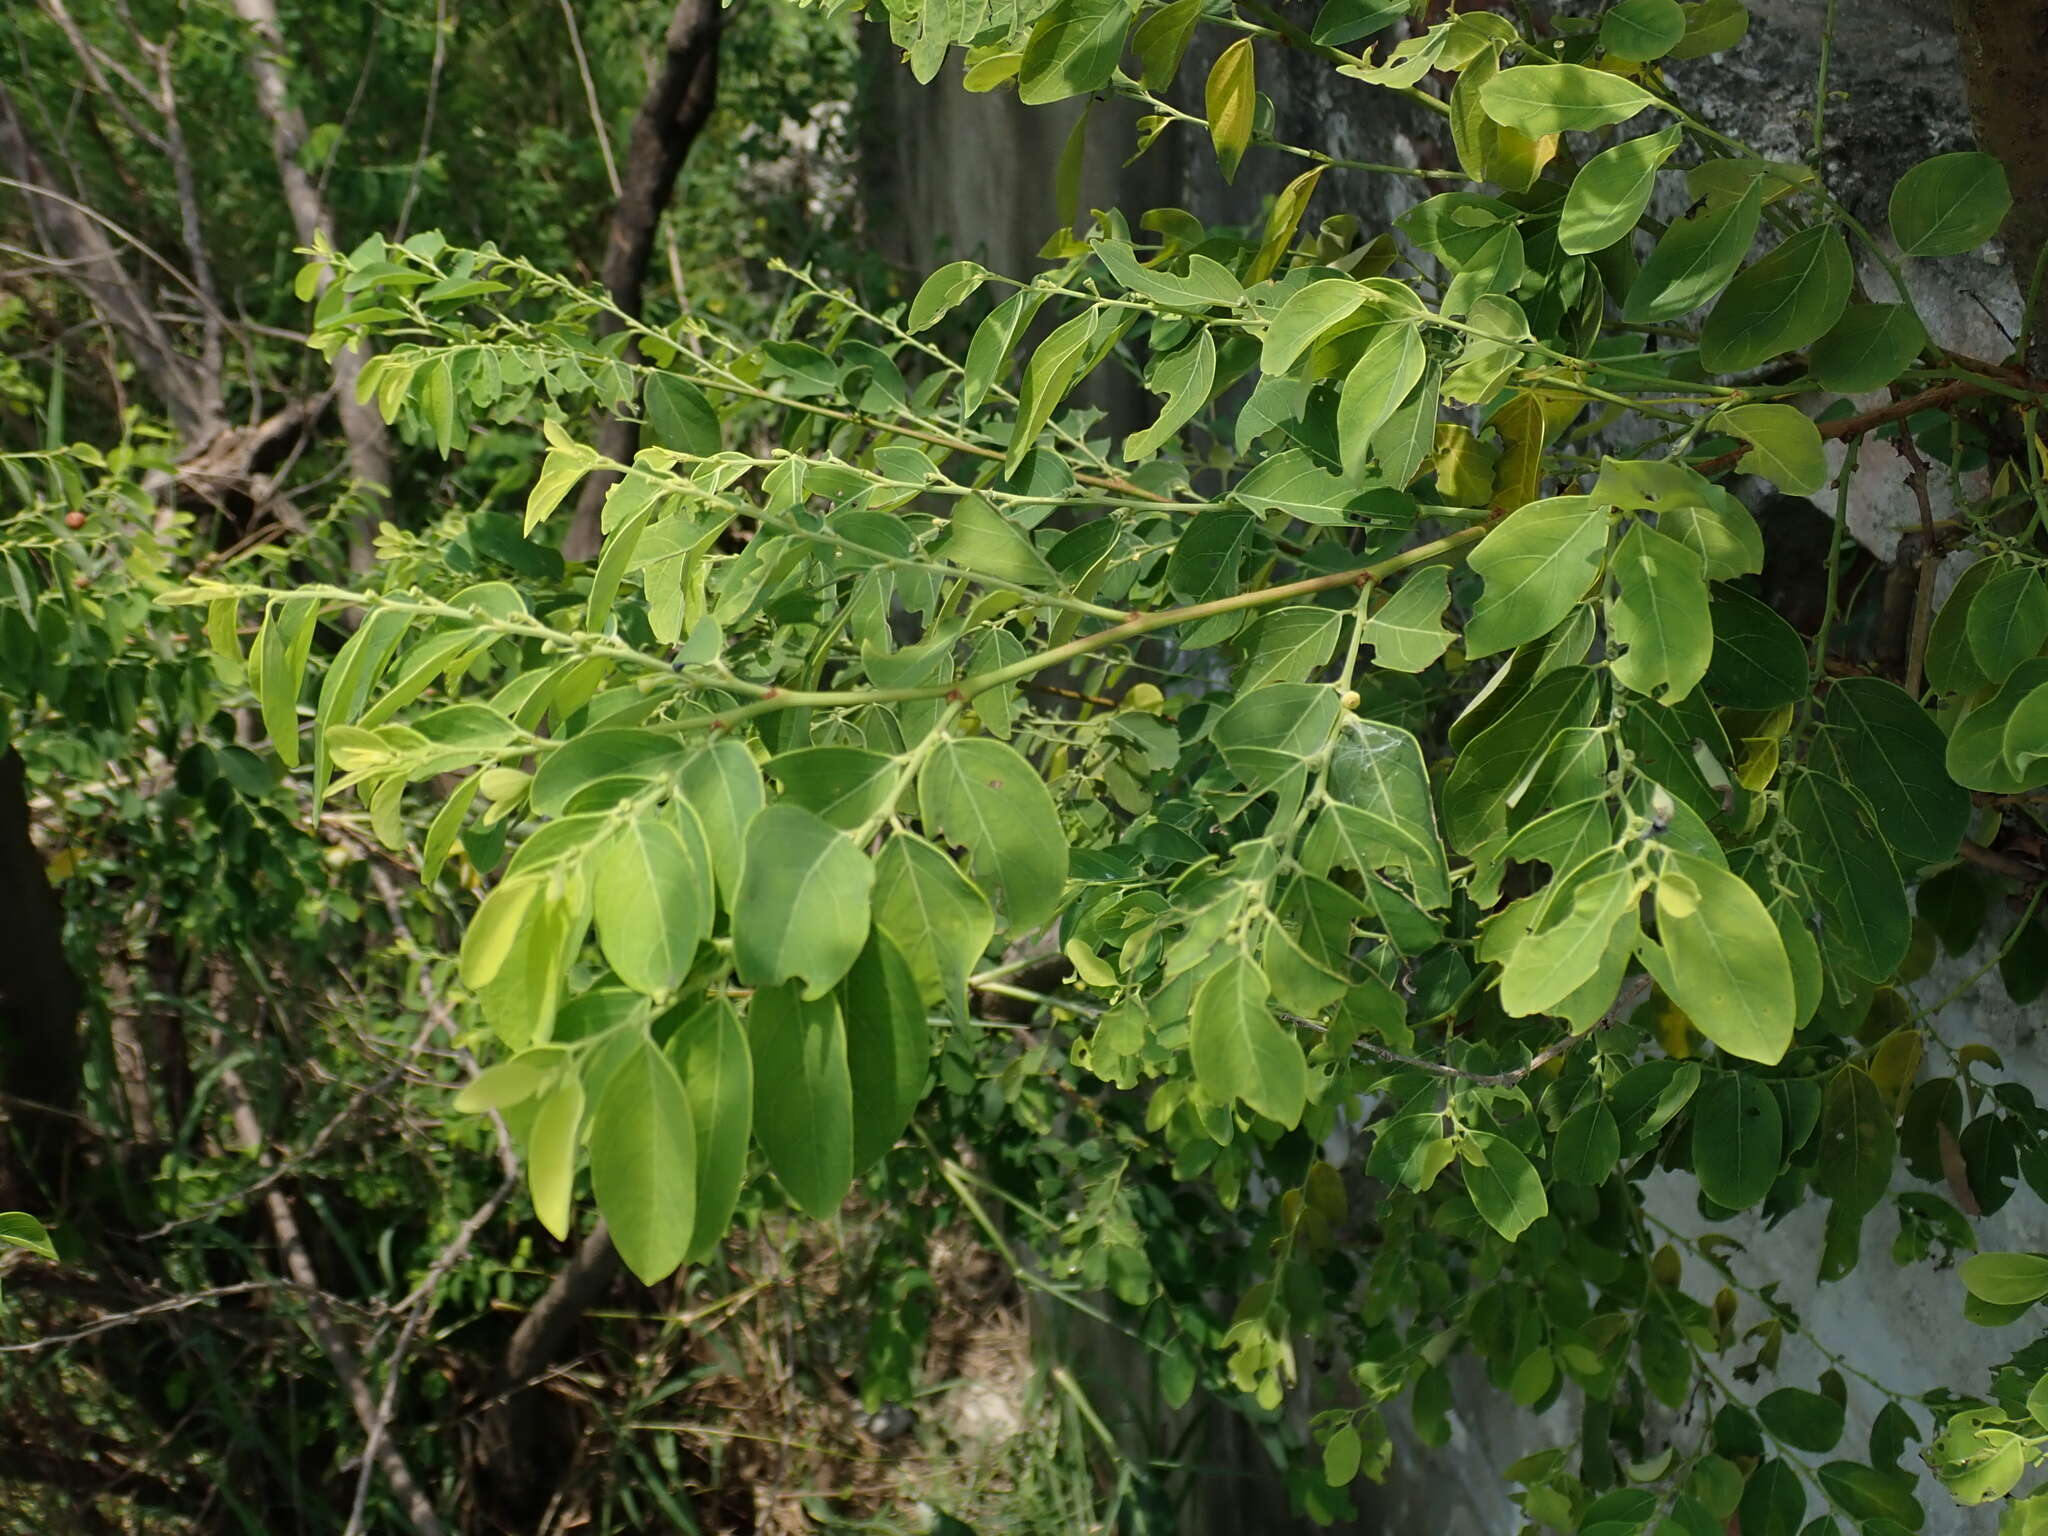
x: 671, y: 116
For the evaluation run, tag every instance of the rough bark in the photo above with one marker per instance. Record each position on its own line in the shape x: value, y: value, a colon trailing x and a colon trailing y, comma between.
x: 519, y: 1455
x: 369, y: 446
x: 2003, y: 48
x: 670, y: 117
x: 40, y: 997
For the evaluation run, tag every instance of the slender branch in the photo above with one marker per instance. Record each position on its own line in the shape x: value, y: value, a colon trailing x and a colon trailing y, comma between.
x: 1930, y: 562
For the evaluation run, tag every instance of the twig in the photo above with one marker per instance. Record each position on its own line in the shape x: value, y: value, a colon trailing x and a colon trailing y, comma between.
x: 604, y: 139
x: 1930, y: 562
x: 143, y: 1314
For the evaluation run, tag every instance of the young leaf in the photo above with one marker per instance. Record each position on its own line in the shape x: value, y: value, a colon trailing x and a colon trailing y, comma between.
x: 643, y: 1164
x: 2006, y: 1279
x: 1240, y: 1051
x: 1727, y: 965
x: 18, y: 1229
x: 1231, y: 100
x: 1949, y: 204
x: 551, y: 1154
x: 943, y: 292
x: 803, y: 1096
x: 985, y: 796
x: 1161, y: 41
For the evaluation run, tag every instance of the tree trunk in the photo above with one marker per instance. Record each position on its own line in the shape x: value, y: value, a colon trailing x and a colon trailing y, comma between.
x: 667, y: 124
x: 2003, y: 48
x: 40, y: 997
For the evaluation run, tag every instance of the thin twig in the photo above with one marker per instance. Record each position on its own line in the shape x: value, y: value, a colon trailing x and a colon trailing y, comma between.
x: 1930, y: 561
x: 604, y: 139
x: 144, y: 1314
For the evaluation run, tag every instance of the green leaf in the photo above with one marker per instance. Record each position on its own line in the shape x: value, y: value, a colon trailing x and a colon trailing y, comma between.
x: 1289, y: 645
x: 601, y: 754
x: 1893, y: 752
x: 888, y: 1048
x: 1378, y: 382
x: 1727, y: 965
x: 1951, y: 660
x: 1640, y: 30
x: 18, y: 1229
x: 986, y: 797
x: 680, y: 416
x: 2025, y: 741
x: 1857, y: 1145
x: 551, y: 1154
x: 1231, y: 100
x: 1738, y: 1141
x: 1588, y: 1145
x: 643, y: 1164
x: 989, y: 352
x: 1536, y: 564
x: 1536, y: 99
x: 1161, y: 41
x: 723, y: 786
x: 1712, y: 26
x: 1869, y: 347
x: 1309, y: 312
x: 1800, y: 1418
x: 981, y: 540
x: 1289, y: 482
x: 1503, y: 1183
x: 1406, y: 631
x: 803, y: 1096
x: 1184, y: 378
x: 489, y: 940
x: 1240, y: 1051
x: 1659, y: 616
x: 1784, y: 445
x: 1694, y: 259
x: 653, y: 903
x: 1560, y: 953
x: 2008, y: 621
x: 937, y: 919
x: 1858, y: 903
x: 1612, y: 189
x: 710, y: 1055
x: 1949, y: 204
x: 802, y: 906
x: 2006, y: 1279
x: 943, y: 292
x: 1073, y: 50
x: 1052, y: 371
x: 1346, y: 21
x: 1786, y: 301
x: 508, y: 1082
x: 1984, y: 743
x: 1759, y: 661
x: 1773, y: 1501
